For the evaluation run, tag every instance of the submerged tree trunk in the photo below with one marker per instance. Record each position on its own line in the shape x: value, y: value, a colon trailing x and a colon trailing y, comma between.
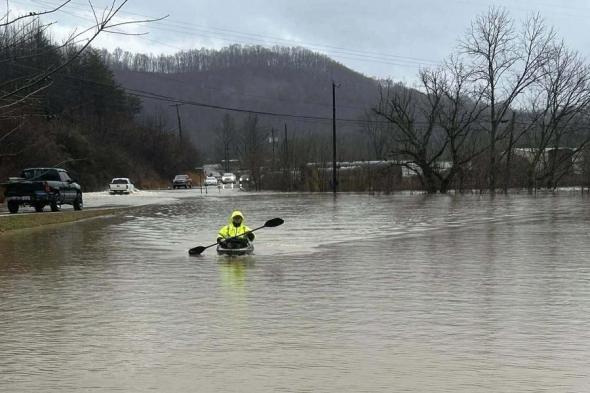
x: 429, y: 180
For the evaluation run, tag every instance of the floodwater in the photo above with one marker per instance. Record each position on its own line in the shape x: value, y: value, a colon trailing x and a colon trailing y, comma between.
x: 355, y: 294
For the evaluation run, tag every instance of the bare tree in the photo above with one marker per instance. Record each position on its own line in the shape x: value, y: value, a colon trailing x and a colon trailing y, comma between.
x: 505, y: 61
x: 561, y: 100
x: 413, y: 116
x: 459, y: 116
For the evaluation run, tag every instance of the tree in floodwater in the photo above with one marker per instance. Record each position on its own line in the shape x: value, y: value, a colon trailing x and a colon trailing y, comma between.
x: 563, y: 101
x: 505, y: 62
x: 459, y: 117
x: 417, y: 142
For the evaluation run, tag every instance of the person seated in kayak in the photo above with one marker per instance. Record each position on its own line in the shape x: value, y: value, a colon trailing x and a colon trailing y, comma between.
x: 232, y: 235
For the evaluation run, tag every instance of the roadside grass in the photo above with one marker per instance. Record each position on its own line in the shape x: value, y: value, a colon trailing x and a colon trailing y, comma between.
x: 22, y: 221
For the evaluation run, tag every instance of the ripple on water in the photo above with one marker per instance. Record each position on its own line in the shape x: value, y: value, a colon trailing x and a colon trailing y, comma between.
x: 357, y: 293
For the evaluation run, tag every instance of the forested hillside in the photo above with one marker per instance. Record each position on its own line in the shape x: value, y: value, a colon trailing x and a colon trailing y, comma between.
x: 284, y: 81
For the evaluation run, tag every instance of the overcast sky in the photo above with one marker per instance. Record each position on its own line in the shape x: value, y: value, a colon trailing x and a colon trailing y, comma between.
x: 376, y: 37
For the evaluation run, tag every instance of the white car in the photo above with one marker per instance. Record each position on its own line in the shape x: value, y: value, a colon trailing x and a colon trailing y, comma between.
x: 210, y: 181
x: 121, y: 185
x: 228, y: 178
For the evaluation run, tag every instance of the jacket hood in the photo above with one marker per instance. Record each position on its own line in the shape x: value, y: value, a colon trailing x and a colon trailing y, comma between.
x: 236, y: 213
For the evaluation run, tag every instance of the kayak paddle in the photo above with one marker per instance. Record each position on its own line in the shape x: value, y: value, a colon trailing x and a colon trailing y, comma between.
x: 273, y: 222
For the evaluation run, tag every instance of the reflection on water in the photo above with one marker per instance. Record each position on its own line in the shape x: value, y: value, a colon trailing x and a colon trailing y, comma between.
x: 234, y: 270
x: 357, y: 293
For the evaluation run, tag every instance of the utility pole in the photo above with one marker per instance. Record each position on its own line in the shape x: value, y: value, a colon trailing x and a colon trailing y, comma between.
x: 226, y: 157
x: 286, y: 146
x: 334, y: 180
x: 272, y: 135
x: 179, y: 122
x: 287, y: 162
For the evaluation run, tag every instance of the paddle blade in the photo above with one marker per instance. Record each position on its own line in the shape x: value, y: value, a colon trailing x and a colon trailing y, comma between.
x: 196, y: 250
x: 274, y: 222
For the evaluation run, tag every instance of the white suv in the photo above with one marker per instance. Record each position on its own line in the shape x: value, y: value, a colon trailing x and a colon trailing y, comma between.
x: 228, y: 178
x: 210, y: 181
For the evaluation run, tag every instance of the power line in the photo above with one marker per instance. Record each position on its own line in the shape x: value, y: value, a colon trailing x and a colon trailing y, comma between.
x: 160, y: 97
x: 167, y: 77
x: 228, y: 35
x: 175, y: 100
x: 203, y: 87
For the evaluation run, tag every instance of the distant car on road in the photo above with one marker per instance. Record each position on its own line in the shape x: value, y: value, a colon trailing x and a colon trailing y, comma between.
x: 244, y: 179
x: 39, y: 187
x: 210, y: 181
x: 244, y: 182
x: 228, y: 178
x: 182, y: 181
x: 121, y: 185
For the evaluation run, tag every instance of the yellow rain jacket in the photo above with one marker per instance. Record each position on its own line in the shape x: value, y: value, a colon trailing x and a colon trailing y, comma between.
x: 230, y: 230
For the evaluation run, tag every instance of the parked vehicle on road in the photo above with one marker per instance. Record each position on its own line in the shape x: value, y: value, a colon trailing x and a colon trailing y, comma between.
x: 182, y: 181
x: 244, y: 181
x: 121, y: 185
x: 39, y: 187
x: 228, y: 178
x: 211, y: 181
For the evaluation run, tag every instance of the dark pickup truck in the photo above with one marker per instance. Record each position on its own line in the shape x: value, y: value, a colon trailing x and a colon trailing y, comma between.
x: 38, y: 187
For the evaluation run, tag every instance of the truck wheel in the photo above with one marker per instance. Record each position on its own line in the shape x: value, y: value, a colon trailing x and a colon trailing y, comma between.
x: 13, y: 207
x: 54, y: 205
x: 78, y: 204
x: 39, y: 207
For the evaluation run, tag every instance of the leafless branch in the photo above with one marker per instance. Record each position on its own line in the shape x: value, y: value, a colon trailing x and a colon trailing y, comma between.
x: 101, y: 26
x: 93, y: 12
x: 35, y: 14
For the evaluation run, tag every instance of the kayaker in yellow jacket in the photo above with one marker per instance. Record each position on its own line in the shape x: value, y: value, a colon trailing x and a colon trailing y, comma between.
x: 236, y: 227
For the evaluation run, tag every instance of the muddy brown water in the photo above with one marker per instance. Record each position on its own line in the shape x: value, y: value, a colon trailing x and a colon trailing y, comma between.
x: 359, y: 294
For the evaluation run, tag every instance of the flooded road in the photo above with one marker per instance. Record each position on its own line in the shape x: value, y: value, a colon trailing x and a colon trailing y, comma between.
x: 358, y: 294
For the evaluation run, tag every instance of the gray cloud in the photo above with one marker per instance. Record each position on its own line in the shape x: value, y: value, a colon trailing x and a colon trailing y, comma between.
x: 378, y: 38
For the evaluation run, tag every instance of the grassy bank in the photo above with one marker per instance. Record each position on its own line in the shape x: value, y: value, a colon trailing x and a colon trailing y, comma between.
x: 33, y: 220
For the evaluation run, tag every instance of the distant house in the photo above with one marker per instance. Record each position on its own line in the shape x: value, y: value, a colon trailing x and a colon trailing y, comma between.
x: 410, y: 168
x: 354, y: 175
x: 549, y: 153
x: 528, y: 153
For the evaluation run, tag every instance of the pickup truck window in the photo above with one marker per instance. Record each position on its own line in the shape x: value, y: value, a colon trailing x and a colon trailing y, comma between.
x: 29, y: 175
x: 41, y: 175
x: 119, y: 181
